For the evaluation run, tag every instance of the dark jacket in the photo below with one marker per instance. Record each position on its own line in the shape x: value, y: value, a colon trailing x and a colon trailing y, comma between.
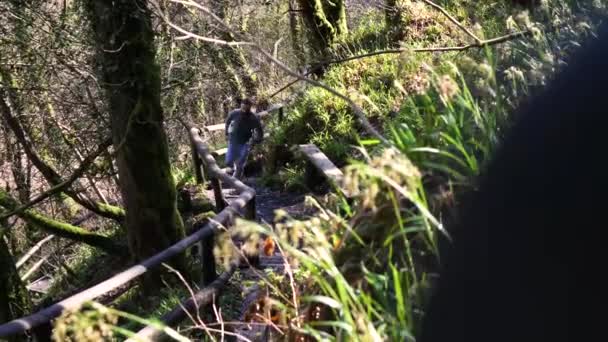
x: 243, y: 125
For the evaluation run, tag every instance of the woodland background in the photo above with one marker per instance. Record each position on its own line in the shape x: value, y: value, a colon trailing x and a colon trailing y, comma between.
x: 92, y: 92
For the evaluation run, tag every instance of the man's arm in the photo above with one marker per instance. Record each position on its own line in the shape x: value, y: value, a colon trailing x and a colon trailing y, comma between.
x: 231, y: 116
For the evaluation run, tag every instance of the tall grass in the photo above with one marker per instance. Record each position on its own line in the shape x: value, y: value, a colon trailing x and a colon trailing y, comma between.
x: 371, y: 269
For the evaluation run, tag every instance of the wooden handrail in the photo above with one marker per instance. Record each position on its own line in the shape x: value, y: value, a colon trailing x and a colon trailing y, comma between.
x: 46, y: 315
x: 245, y: 201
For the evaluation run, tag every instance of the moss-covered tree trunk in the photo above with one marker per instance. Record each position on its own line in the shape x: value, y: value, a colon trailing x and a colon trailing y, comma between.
x: 58, y: 228
x: 295, y: 32
x: 14, y: 299
x: 326, y: 22
x: 232, y: 59
x: 126, y: 51
x: 236, y: 87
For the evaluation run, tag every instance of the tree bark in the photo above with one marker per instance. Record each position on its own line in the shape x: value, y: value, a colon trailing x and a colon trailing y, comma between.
x: 14, y: 299
x: 233, y: 57
x: 225, y: 68
x: 326, y: 22
x: 295, y: 32
x: 126, y: 52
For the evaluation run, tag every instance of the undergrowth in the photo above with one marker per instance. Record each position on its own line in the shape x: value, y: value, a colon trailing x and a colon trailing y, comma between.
x: 385, y: 85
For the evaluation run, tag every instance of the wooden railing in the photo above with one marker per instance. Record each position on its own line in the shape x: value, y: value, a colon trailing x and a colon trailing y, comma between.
x: 206, y: 169
x: 39, y: 323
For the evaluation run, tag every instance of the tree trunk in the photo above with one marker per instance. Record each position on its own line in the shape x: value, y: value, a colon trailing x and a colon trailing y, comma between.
x: 326, y: 21
x: 295, y: 34
x: 126, y: 50
x: 395, y: 20
x: 234, y: 57
x: 14, y: 299
x: 232, y: 77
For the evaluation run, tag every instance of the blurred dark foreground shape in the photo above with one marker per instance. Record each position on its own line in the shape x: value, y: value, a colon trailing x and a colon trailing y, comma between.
x: 521, y: 264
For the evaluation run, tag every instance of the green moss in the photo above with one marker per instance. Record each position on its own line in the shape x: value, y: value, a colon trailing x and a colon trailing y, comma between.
x: 112, y: 210
x: 326, y: 21
x: 203, y: 216
x: 59, y: 228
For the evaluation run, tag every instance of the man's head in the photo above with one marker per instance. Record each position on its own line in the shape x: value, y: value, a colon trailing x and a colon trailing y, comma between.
x: 246, y: 104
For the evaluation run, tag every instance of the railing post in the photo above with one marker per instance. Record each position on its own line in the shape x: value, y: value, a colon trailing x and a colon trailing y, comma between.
x: 197, y: 164
x: 205, y: 172
x: 253, y: 259
x: 309, y: 174
x: 209, y: 273
x: 43, y: 332
x: 220, y: 203
x: 250, y: 210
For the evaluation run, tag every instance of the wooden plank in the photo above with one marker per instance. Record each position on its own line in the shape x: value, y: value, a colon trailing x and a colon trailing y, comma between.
x: 41, y: 285
x: 214, y: 128
x: 323, y: 164
x: 220, y: 152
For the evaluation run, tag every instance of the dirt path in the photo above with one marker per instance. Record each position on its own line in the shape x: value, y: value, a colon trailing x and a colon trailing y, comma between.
x: 267, y: 202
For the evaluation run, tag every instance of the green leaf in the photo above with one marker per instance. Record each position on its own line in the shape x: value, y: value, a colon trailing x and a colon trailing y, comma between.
x: 332, y: 303
x: 342, y: 325
x: 369, y: 142
x: 401, y: 309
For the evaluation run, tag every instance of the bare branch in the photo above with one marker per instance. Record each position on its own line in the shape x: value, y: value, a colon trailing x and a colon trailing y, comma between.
x: 452, y: 19
x: 51, y: 176
x: 63, y: 185
x: 65, y: 131
x: 35, y: 267
x: 33, y: 250
x: 188, y: 35
x: 481, y: 44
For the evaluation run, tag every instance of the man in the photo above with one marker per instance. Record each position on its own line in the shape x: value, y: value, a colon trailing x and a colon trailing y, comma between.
x: 240, y: 127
